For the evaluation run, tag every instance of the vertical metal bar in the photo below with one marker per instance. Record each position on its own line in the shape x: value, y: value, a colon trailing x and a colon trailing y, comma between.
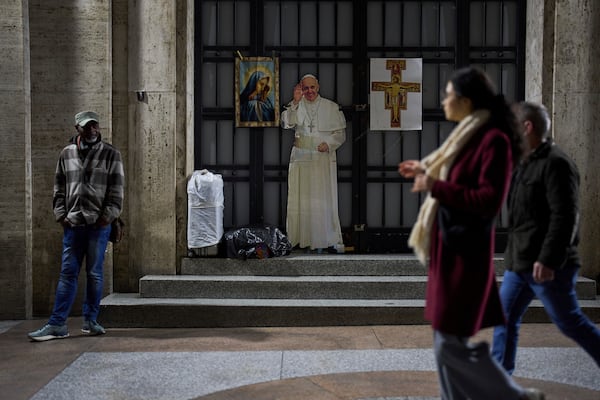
x: 421, y: 24
x: 234, y: 21
x: 257, y: 170
x: 233, y: 175
x: 335, y: 43
x: 461, y: 55
x: 402, y: 24
x: 280, y: 174
x: 383, y: 42
x: 501, y: 43
x: 318, y: 36
x: 382, y: 137
x: 485, y: 23
x: 298, y: 35
x: 359, y: 123
x: 439, y: 29
x: 199, y: 57
x: 502, y: 24
x: 218, y: 42
x: 520, y: 45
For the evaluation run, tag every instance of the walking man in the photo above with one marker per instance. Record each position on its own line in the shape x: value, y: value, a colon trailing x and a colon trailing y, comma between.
x: 541, y: 254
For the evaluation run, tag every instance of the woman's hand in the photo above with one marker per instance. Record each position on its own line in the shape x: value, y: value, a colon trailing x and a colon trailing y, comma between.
x: 410, y: 168
x: 423, y: 183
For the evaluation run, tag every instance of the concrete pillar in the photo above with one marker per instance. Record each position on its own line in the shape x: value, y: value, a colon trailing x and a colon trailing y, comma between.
x: 152, y: 154
x: 539, y: 59
x: 185, y: 116
x: 576, y: 116
x: 15, y: 152
x: 124, y: 280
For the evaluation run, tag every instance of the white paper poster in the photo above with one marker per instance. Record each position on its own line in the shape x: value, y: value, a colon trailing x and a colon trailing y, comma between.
x: 396, y: 98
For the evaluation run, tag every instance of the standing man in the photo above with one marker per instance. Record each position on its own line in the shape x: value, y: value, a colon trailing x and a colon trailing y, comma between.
x: 88, y: 196
x: 541, y: 254
x: 320, y: 128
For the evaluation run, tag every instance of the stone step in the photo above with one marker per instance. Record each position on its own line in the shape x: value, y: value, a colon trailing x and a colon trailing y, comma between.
x: 129, y: 310
x: 307, y: 265
x: 296, y: 290
x: 300, y: 287
x: 299, y: 264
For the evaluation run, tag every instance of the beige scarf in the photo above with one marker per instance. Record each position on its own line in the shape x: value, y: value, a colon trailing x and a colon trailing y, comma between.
x: 437, y: 164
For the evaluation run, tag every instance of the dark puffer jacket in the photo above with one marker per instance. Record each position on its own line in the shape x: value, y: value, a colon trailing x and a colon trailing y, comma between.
x: 543, y: 211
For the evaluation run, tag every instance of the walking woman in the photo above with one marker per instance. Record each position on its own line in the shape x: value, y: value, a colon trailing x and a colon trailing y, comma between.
x: 466, y: 180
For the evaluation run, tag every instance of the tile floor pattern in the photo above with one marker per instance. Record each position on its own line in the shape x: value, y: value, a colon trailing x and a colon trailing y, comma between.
x: 327, y: 363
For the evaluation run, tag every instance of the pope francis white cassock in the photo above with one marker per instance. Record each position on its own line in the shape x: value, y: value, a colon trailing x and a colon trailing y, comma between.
x: 320, y: 128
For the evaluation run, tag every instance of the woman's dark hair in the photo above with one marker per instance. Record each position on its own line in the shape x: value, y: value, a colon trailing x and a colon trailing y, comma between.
x: 475, y: 85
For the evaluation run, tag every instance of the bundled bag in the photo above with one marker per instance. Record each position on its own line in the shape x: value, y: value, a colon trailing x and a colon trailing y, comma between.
x: 255, y: 241
x: 205, y: 209
x: 117, y: 230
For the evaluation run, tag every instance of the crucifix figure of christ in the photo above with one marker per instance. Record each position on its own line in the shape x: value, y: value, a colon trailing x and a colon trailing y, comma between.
x: 396, y: 91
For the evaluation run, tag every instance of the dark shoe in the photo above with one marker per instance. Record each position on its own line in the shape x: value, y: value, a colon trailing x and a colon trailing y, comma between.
x: 92, y: 328
x: 532, y: 394
x: 49, y: 332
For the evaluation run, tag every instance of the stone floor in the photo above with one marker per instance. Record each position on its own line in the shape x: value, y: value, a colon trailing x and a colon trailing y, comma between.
x: 326, y: 363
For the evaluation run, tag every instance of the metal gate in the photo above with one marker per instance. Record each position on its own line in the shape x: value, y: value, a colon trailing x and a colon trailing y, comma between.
x: 335, y: 40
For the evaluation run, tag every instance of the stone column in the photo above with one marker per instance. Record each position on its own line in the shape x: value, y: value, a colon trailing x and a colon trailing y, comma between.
x: 151, y: 173
x: 15, y: 152
x: 539, y: 58
x: 185, y: 116
x: 576, y: 111
x: 123, y: 279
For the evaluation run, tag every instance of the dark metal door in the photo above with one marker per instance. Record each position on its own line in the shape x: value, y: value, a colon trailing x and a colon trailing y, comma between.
x: 335, y: 40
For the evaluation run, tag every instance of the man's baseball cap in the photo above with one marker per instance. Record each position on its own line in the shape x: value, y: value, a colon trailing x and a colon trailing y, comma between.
x: 84, y: 117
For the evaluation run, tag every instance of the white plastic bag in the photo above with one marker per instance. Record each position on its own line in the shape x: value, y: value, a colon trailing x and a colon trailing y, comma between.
x: 205, y: 209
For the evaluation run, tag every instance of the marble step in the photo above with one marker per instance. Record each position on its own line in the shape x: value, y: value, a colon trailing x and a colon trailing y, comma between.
x: 299, y: 264
x: 129, y: 310
x: 301, y: 287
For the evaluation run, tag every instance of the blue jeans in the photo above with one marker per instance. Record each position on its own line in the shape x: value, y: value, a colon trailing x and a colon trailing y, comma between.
x: 78, y: 242
x: 560, y: 302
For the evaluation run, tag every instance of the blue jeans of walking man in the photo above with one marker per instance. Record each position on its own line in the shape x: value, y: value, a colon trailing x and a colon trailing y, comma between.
x: 560, y: 302
x: 81, y: 242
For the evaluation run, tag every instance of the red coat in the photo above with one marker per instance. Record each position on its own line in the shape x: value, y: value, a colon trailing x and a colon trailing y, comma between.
x: 462, y: 295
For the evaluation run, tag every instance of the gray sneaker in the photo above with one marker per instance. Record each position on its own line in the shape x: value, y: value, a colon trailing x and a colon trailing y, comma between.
x: 49, y: 332
x: 92, y: 328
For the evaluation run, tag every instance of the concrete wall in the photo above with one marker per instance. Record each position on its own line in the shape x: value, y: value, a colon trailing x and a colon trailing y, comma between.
x: 15, y: 152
